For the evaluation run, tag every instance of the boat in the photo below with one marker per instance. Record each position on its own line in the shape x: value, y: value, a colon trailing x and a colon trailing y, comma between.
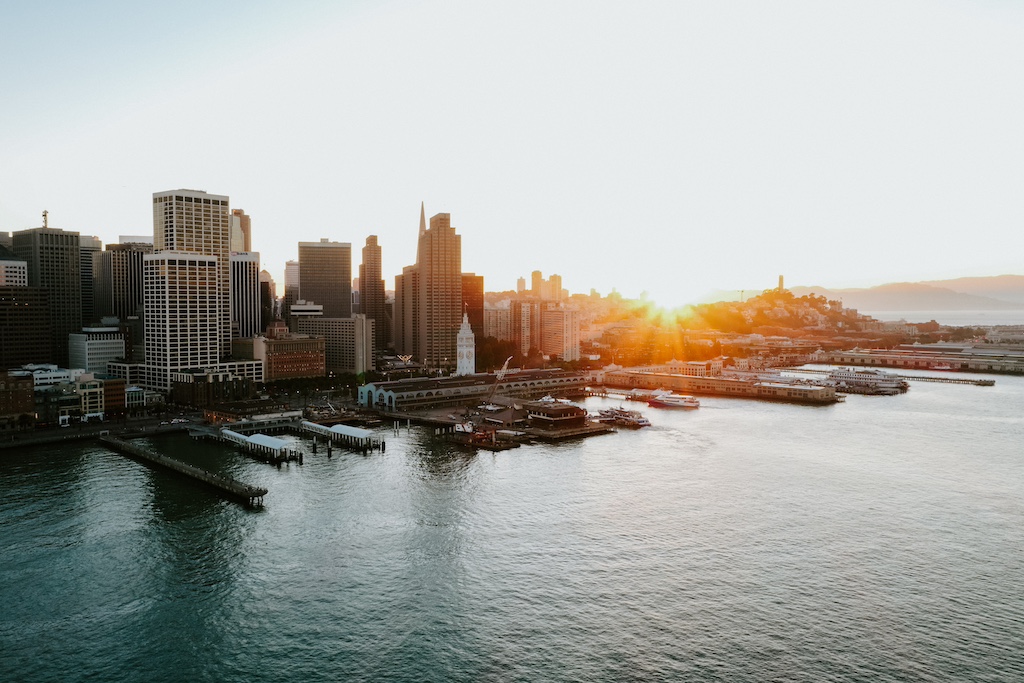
x: 623, y: 418
x: 867, y: 381
x: 673, y: 401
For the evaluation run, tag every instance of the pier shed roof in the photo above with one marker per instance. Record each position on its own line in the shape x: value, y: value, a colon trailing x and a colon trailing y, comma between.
x: 268, y: 441
x: 354, y: 432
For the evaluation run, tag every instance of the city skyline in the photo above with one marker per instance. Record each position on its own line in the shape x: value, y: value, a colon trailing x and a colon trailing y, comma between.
x: 843, y: 144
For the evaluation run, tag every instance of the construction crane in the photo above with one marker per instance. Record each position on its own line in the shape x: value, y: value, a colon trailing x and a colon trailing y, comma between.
x: 497, y: 379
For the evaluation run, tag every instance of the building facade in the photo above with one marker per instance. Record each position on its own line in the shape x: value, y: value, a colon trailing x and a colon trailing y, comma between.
x: 94, y: 347
x: 119, y: 290
x: 348, y: 342
x: 245, y: 294
x: 325, y: 276
x: 241, y: 231
x: 371, y: 292
x: 25, y: 335
x: 428, y: 295
x: 193, y: 221
x: 54, y: 262
x: 473, y: 301
x: 183, y: 314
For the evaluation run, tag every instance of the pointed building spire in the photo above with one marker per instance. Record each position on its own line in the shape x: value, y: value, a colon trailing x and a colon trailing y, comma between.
x: 423, y: 219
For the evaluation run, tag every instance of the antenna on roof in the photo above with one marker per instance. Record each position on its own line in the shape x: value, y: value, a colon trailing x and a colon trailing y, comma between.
x: 45, y: 213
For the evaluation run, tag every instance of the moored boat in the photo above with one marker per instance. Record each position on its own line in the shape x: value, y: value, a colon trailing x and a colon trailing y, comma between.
x: 623, y: 418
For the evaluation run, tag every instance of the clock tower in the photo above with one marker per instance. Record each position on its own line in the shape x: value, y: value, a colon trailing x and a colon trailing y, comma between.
x: 466, y: 348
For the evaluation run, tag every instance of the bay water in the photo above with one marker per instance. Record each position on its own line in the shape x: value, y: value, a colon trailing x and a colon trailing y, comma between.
x: 881, y: 539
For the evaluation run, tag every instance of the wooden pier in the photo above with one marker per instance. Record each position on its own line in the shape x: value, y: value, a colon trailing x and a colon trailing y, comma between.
x: 251, y: 495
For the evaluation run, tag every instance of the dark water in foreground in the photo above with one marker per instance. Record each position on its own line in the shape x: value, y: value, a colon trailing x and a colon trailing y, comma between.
x: 877, y: 540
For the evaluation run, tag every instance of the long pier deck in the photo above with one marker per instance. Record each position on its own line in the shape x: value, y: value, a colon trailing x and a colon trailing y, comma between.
x: 252, y: 495
x: 909, y: 378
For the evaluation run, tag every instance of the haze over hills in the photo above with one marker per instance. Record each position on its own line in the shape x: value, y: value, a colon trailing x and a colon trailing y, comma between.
x: 998, y: 293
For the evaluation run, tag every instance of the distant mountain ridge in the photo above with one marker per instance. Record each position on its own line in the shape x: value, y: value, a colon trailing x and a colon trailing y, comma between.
x: 997, y: 293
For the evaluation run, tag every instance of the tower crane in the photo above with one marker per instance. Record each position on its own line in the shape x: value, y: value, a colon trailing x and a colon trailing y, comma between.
x: 497, y: 379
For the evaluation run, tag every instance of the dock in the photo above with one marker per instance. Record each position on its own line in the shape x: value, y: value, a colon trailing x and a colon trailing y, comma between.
x: 232, y: 488
x: 909, y: 378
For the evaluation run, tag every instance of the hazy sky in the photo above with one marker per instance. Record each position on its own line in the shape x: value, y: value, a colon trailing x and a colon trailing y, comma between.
x: 668, y: 147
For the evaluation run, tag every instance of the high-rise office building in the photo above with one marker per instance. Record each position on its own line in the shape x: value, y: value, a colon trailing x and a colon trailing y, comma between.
x: 433, y: 315
x: 371, y: 292
x: 89, y: 250
x: 536, y: 283
x: 25, y: 320
x: 291, y: 292
x: 196, y: 222
x: 498, y: 323
x: 473, y: 301
x: 119, y: 291
x: 54, y: 262
x: 268, y: 300
x: 241, y: 231
x: 555, y: 282
x: 93, y: 347
x: 325, y: 276
x: 245, y: 294
x: 13, y: 271
x: 348, y: 342
x: 183, y: 314
x: 406, y: 313
x: 560, y: 332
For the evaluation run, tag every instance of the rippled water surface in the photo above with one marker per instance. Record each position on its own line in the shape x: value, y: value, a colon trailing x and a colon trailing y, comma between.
x: 877, y: 540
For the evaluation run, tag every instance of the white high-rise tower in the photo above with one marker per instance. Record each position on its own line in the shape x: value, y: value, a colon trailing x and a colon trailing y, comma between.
x: 187, y: 295
x: 195, y: 222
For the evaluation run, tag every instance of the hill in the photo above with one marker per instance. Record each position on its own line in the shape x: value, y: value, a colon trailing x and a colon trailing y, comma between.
x: 998, y: 293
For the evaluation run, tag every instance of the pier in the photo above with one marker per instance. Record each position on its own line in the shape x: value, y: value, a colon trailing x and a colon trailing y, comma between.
x: 263, y: 446
x: 909, y: 378
x: 251, y: 495
x: 355, y: 437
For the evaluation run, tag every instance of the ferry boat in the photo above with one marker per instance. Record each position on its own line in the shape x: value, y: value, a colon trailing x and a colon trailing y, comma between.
x: 623, y: 418
x: 670, y: 400
x: 867, y: 381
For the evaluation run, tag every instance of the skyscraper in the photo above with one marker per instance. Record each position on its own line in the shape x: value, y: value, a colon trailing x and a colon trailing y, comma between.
x: 371, y: 292
x: 325, y: 276
x: 430, y: 309
x: 193, y: 221
x: 245, y: 294
x: 89, y: 251
x: 241, y: 231
x: 536, y: 283
x: 183, y: 314
x: 473, y: 301
x: 268, y: 300
x: 119, y: 290
x: 54, y: 262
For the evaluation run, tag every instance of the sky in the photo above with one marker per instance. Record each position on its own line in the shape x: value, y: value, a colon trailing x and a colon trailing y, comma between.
x: 663, y: 149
